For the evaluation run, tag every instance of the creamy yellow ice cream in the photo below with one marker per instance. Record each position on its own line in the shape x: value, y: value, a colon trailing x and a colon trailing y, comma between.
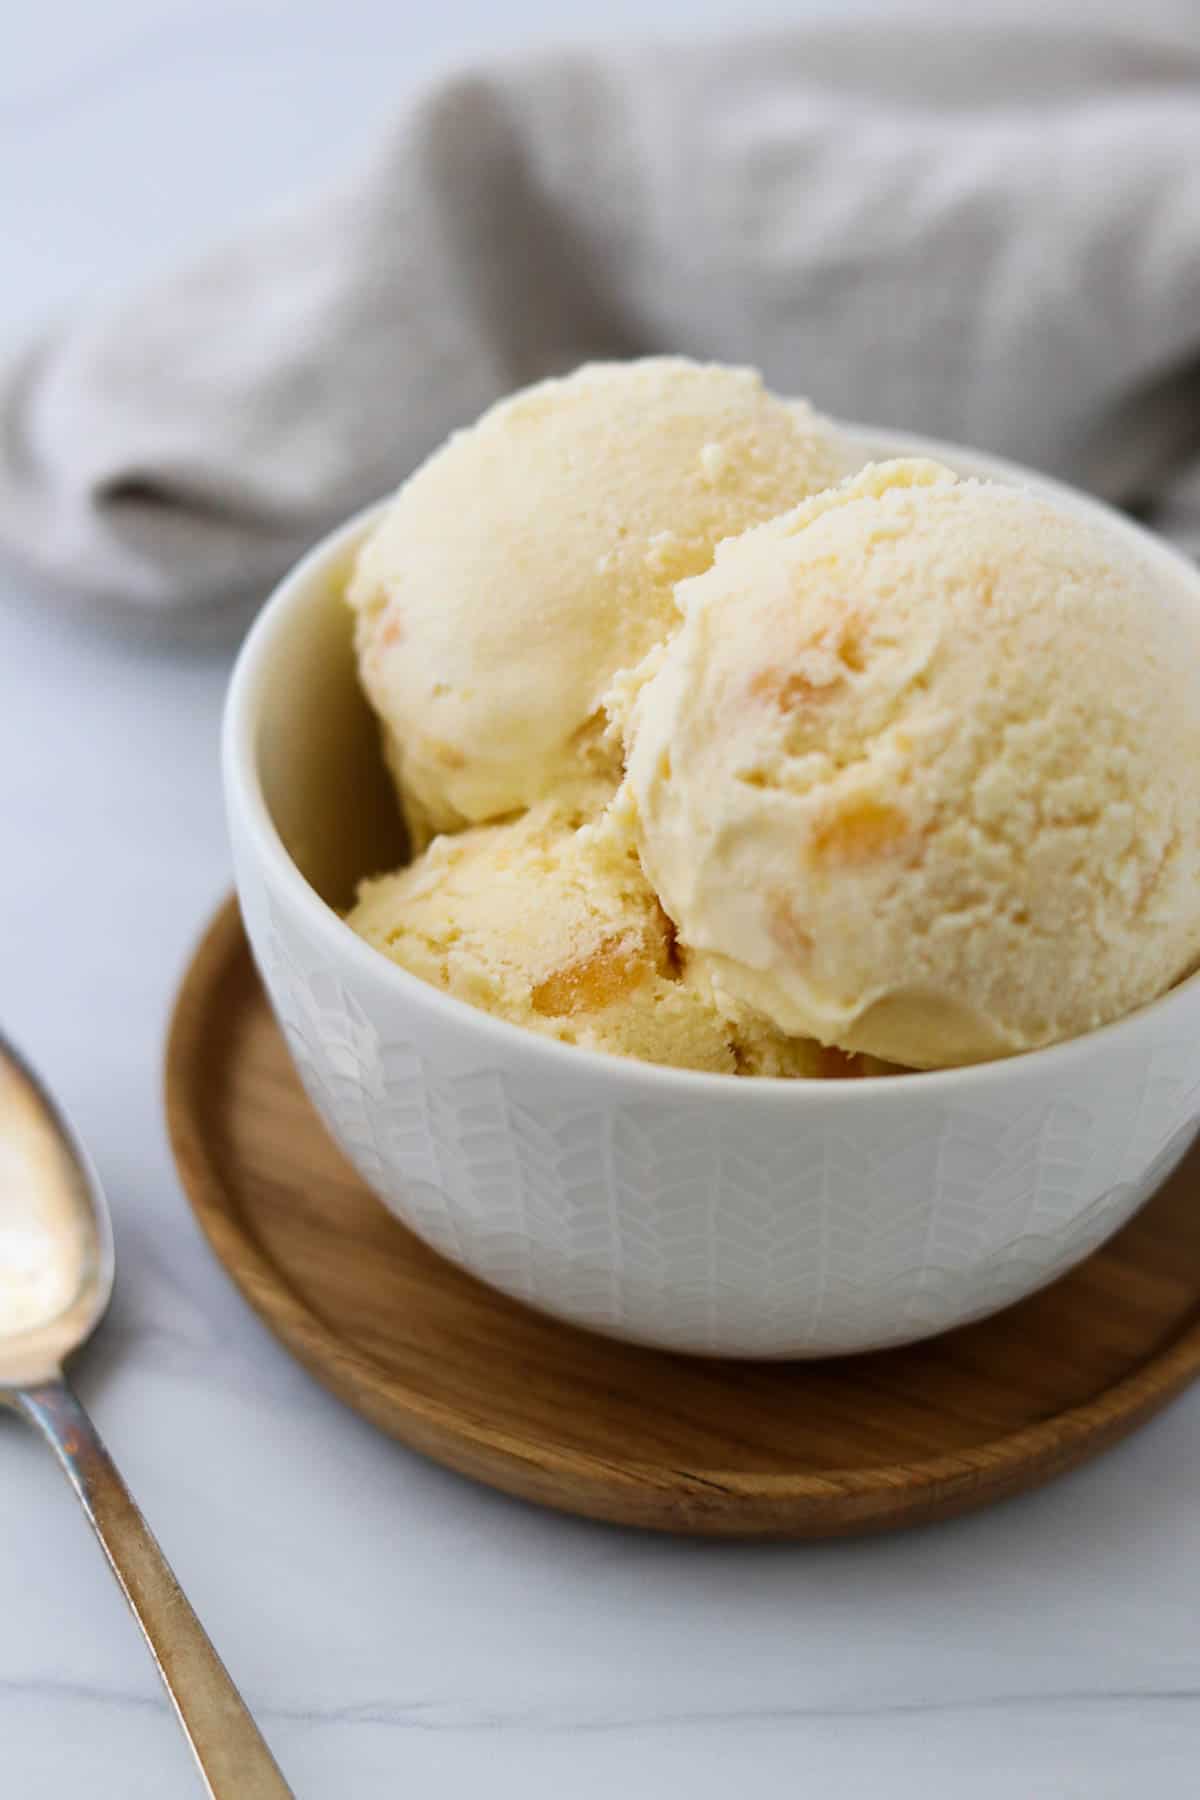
x: 917, y: 775
x: 534, y: 555
x: 548, y: 922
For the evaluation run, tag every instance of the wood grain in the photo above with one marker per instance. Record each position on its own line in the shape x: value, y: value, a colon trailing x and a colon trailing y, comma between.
x: 679, y: 1444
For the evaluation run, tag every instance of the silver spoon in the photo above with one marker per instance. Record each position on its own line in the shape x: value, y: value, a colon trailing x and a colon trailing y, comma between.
x: 56, y: 1276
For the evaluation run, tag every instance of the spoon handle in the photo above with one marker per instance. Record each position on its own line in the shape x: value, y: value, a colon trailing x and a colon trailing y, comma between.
x: 234, y: 1761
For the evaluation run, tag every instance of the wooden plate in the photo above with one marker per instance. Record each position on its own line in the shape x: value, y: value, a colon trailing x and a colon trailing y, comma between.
x: 573, y: 1421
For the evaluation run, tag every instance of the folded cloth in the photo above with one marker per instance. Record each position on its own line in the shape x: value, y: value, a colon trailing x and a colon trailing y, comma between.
x: 980, y: 231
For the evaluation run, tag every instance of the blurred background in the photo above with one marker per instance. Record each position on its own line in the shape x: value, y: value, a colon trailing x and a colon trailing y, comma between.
x: 135, y: 131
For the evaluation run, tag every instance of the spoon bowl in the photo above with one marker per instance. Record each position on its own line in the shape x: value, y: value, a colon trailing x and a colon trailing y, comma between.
x: 55, y: 1232
x: 56, y: 1277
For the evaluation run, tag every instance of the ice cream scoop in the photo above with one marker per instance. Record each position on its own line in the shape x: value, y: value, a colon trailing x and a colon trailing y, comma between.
x: 917, y: 774
x: 547, y: 921
x: 535, y: 554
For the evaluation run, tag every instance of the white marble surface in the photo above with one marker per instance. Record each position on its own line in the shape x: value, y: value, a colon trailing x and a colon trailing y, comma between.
x: 397, y: 1630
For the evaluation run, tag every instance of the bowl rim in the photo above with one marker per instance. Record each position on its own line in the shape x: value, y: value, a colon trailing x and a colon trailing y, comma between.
x: 244, y: 793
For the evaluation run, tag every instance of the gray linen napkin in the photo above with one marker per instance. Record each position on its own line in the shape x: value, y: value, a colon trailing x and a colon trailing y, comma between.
x: 983, y: 231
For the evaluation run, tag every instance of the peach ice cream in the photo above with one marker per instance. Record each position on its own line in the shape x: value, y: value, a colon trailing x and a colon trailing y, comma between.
x: 547, y: 921
x: 917, y: 774
x: 536, y: 553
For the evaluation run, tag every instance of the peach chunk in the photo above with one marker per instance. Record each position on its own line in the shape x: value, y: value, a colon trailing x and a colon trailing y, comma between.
x: 787, y: 690
x: 787, y: 930
x: 789, y: 687
x: 391, y: 631
x: 860, y: 831
x: 606, y: 973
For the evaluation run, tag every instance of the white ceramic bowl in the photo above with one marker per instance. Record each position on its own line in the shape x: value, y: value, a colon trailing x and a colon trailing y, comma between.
x: 695, y: 1212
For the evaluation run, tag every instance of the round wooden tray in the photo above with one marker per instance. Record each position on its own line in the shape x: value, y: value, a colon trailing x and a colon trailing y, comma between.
x: 573, y: 1421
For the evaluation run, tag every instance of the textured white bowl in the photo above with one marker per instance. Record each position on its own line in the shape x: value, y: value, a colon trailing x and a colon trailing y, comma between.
x: 695, y: 1212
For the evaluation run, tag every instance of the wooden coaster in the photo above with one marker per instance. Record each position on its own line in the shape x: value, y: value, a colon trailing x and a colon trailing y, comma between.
x: 576, y: 1422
